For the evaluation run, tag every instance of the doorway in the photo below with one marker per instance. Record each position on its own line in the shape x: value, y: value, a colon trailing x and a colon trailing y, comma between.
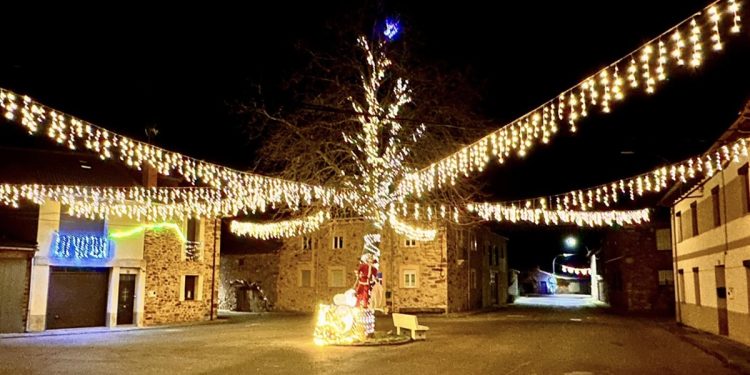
x: 721, y: 300
x: 125, y: 299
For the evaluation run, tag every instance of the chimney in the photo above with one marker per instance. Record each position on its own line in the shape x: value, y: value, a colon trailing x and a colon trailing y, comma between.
x: 149, y: 176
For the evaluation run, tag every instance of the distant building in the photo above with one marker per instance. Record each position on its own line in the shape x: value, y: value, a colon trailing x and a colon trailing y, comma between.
x: 461, y: 269
x: 711, y: 228
x: 60, y: 271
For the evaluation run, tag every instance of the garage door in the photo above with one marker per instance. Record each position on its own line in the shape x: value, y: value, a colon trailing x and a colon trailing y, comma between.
x: 77, y: 297
x: 13, y: 276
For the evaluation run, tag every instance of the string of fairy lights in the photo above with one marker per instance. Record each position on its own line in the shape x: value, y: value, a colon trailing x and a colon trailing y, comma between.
x: 74, y: 133
x: 658, y: 180
x: 513, y: 214
x: 140, y: 203
x: 280, y: 229
x: 645, y: 68
x: 379, y: 190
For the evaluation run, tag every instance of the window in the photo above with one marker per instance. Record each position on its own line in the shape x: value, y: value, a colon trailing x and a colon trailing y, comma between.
x: 663, y: 239
x: 336, y: 278
x: 338, y: 242
x: 745, y: 189
x: 307, y: 243
x: 666, y: 277
x: 694, y: 217
x: 305, y: 277
x: 473, y: 278
x: 681, y: 285
x: 409, y: 278
x: 678, y: 225
x: 697, y: 285
x: 716, y: 206
x: 190, y: 288
x: 192, y: 243
x: 410, y: 242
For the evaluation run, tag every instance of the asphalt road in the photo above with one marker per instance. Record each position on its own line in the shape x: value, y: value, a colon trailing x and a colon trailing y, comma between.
x: 517, y: 340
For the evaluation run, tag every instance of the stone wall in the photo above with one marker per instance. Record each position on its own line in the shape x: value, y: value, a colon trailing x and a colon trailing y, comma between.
x: 470, y: 249
x: 165, y: 268
x: 443, y: 277
x: 262, y: 269
x: 631, y: 269
x: 428, y: 257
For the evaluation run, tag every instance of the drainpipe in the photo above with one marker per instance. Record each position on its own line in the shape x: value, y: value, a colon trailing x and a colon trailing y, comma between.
x: 678, y: 307
x: 213, y: 267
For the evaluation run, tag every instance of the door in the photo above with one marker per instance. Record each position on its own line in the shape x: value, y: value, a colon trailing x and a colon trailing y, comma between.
x: 494, y: 290
x: 125, y: 299
x: 77, y: 297
x: 13, y: 276
x: 721, y: 300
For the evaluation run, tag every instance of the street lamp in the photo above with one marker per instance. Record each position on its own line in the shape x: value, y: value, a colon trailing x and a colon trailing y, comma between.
x: 565, y: 255
x: 571, y: 242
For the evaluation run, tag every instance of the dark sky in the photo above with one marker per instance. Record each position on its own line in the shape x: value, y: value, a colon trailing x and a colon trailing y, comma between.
x: 181, y: 68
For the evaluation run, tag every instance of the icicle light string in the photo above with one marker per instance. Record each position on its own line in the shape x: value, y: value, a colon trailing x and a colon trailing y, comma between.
x: 601, y: 89
x: 634, y: 187
x: 75, y: 133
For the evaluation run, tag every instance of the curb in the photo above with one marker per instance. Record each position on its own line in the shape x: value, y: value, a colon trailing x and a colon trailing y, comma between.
x: 96, y: 330
x: 727, y: 361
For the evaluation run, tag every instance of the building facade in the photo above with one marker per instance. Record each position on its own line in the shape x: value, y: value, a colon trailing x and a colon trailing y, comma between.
x: 636, y: 264
x: 711, y: 226
x: 461, y: 269
x: 60, y: 271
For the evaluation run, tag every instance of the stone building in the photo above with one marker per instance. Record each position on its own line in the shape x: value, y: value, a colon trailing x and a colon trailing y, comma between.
x: 73, y: 272
x: 636, y: 264
x: 249, y: 270
x: 461, y: 269
x: 711, y: 227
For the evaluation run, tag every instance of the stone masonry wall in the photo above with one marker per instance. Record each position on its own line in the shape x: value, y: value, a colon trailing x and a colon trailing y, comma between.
x: 259, y: 268
x: 165, y: 270
x: 631, y: 269
x: 429, y: 258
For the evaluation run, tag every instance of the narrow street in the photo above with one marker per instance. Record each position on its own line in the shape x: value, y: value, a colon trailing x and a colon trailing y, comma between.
x: 516, y: 340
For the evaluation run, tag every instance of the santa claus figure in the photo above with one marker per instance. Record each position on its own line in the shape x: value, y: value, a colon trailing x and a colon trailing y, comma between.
x: 367, y: 274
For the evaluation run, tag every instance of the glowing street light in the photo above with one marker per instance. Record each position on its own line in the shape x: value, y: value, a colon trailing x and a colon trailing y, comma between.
x: 571, y: 242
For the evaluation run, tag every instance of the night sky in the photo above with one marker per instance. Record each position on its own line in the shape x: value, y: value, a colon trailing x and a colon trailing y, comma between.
x: 184, y: 69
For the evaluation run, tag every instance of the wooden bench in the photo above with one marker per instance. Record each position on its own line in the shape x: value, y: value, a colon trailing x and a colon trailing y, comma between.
x: 409, y: 322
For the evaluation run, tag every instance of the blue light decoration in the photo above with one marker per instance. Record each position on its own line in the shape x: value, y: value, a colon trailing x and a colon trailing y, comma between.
x: 81, y: 247
x: 392, y: 27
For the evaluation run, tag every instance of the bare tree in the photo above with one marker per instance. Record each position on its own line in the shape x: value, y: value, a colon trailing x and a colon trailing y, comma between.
x: 305, y: 140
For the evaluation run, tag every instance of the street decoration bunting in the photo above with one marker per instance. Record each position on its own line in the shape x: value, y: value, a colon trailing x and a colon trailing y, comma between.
x: 576, y: 271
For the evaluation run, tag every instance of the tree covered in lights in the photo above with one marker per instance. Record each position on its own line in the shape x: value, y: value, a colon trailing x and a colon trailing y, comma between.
x: 365, y: 95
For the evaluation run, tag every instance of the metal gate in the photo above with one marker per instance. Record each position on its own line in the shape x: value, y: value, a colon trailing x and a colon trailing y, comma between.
x: 13, y: 276
x: 77, y: 297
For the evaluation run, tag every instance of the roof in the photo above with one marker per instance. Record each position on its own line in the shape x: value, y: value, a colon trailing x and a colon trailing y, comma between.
x: 29, y: 166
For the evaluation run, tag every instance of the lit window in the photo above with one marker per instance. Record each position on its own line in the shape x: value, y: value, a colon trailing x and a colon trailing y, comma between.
x: 409, y: 277
x: 410, y: 242
x: 338, y: 242
x: 191, y: 288
x: 192, y: 244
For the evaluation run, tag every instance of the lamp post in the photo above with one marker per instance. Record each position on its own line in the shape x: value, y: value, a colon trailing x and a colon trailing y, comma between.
x: 555, y: 258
